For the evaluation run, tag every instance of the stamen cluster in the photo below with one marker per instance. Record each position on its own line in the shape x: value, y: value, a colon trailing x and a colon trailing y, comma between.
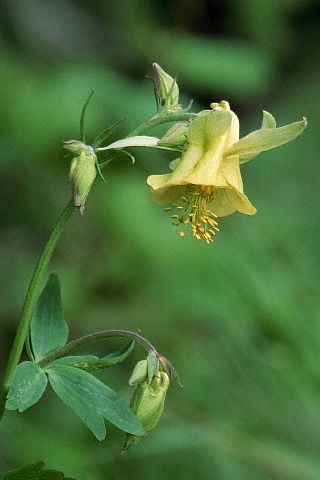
x: 192, y: 209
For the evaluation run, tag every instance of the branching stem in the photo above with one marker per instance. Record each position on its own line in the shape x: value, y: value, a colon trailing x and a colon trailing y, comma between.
x: 38, y: 276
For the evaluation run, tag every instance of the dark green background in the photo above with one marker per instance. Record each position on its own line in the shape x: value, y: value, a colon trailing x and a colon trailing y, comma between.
x: 239, y: 319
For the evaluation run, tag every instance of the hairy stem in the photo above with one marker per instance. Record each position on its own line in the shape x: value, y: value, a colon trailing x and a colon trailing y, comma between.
x: 29, y: 304
x: 94, y: 337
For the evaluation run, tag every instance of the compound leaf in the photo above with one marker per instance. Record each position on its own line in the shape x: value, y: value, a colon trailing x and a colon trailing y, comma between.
x: 92, y: 401
x: 28, y: 384
x: 49, y: 329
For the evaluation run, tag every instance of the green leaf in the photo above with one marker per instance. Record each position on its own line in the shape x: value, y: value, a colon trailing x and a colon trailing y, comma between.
x: 34, y: 471
x: 49, y: 330
x: 77, y: 393
x: 91, y: 362
x: 266, y: 139
x: 29, y: 472
x: 28, y: 384
x: 92, y: 401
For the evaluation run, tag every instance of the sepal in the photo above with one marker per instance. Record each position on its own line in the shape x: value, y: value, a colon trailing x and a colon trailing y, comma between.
x: 175, y: 137
x: 265, y: 139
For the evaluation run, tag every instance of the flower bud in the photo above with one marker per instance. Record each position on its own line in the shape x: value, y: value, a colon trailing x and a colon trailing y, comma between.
x: 166, y: 90
x: 147, y: 403
x: 82, y: 171
x: 176, y: 136
x: 140, y: 373
x: 74, y: 146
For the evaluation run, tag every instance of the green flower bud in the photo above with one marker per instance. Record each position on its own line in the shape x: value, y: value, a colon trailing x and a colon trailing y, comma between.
x: 166, y: 90
x: 82, y: 171
x: 147, y: 403
x: 74, y: 146
x: 176, y: 136
x: 140, y: 373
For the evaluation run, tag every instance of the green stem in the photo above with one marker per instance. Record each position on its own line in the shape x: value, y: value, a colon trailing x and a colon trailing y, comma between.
x: 37, y: 279
x: 29, y: 304
x: 159, y: 119
x: 94, y: 337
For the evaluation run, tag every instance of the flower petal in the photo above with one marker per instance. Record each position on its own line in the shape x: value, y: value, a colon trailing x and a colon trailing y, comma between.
x: 159, y: 181
x: 228, y: 200
x: 208, y: 137
x: 167, y: 194
x: 266, y: 139
x: 268, y: 121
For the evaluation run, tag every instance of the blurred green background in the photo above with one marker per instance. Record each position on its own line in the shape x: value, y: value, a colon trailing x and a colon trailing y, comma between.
x: 240, y: 319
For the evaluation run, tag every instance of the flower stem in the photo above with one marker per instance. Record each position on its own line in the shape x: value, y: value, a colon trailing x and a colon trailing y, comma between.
x: 159, y: 119
x: 29, y: 304
x: 94, y: 337
x: 37, y: 279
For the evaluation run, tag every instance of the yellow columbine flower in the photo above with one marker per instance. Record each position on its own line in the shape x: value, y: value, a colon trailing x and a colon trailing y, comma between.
x: 206, y: 181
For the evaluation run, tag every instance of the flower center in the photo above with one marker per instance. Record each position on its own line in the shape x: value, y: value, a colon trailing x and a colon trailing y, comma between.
x: 192, y: 210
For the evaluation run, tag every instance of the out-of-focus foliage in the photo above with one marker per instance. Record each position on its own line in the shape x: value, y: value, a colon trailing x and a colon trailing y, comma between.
x: 240, y: 319
x: 34, y: 471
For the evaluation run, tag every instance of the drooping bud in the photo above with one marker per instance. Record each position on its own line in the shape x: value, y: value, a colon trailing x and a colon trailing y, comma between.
x: 166, y: 90
x: 82, y: 171
x: 147, y: 403
x: 140, y: 373
x: 176, y: 136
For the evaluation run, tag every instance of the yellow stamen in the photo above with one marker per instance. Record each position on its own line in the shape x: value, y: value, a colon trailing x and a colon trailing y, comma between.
x: 213, y: 223
x: 195, y: 212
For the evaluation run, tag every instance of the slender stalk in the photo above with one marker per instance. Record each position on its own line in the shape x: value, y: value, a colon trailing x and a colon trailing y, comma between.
x: 37, y: 279
x: 94, y: 337
x: 29, y: 304
x: 159, y: 119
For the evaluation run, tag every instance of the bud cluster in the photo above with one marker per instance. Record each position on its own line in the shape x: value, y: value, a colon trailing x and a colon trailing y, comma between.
x: 148, y: 398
